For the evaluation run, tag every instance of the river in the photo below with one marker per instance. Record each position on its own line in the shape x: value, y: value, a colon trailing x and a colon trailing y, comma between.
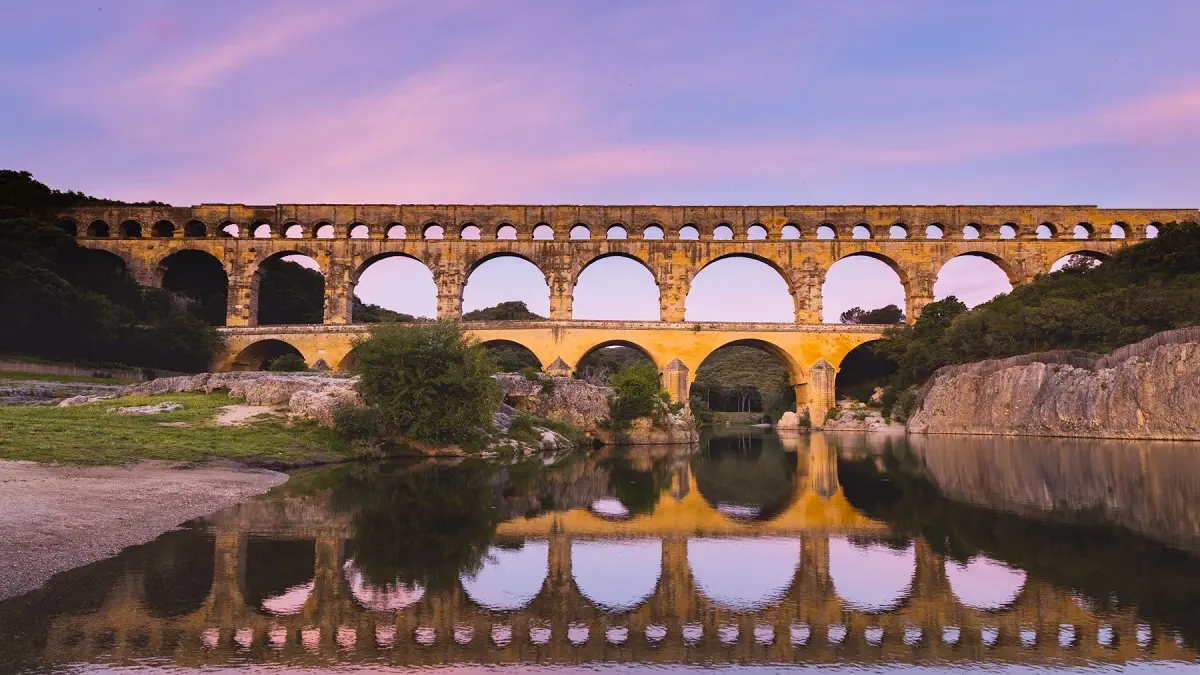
x: 756, y: 552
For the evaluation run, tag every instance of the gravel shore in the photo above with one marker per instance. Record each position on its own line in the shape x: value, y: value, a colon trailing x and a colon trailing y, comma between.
x: 56, y: 518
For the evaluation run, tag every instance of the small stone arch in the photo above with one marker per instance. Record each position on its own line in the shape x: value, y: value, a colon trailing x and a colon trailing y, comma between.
x: 935, y: 231
x: 358, y: 230
x: 163, y: 228
x: 862, y: 231
x: 616, y: 231
x: 433, y: 230
x: 506, y: 231
x: 543, y: 232
x: 827, y: 231
x: 69, y: 225
x: 790, y: 231
x: 195, y: 229
x: 229, y: 228
x: 689, y: 232
x: 654, y: 231
x: 131, y: 229
x: 98, y: 228
x: 1085, y: 229
x: 1046, y: 230
x: 898, y: 230
x: 262, y: 229
x: 470, y: 231
x: 757, y: 232
x: 323, y: 229
x: 1118, y: 230
x: 723, y: 232
x: 395, y: 231
x: 257, y: 355
x: 577, y: 231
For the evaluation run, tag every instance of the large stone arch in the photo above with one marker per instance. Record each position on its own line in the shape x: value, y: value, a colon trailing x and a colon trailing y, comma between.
x: 579, y: 266
x: 162, y: 268
x: 296, y: 247
x: 779, y: 266
x: 901, y: 271
x: 794, y: 368
x: 658, y: 359
x: 361, y: 266
x: 1013, y: 272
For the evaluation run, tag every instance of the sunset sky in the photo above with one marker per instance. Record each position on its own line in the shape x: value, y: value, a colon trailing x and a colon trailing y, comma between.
x: 787, y: 102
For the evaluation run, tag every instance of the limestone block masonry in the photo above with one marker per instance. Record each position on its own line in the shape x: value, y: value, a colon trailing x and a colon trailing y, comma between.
x: 674, y: 243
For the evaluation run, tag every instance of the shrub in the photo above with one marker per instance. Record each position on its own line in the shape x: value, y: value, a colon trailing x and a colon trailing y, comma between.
x: 355, y: 423
x: 833, y: 413
x: 427, y: 382
x: 804, y: 420
x: 530, y: 373
x: 287, y: 363
x: 638, y: 394
x: 548, y: 385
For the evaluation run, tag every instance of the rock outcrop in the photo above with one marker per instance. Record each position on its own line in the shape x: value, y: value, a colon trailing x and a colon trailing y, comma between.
x: 1148, y: 390
x: 584, y: 406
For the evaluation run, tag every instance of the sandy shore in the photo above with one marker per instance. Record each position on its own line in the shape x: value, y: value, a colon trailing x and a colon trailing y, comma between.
x: 55, y: 518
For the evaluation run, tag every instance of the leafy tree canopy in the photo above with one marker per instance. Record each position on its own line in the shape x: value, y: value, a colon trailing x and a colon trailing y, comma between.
x: 514, y: 310
x: 883, y: 315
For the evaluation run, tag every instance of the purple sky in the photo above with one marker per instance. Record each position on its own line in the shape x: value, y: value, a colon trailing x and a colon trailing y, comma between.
x: 485, y: 101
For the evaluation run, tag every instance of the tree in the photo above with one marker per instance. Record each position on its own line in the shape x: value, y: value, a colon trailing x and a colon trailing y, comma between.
x: 366, y: 313
x: 428, y: 382
x: 883, y: 315
x: 514, y: 310
x: 290, y: 293
x: 637, y: 393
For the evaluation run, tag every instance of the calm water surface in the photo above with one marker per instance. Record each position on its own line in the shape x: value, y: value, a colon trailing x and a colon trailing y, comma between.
x: 755, y: 552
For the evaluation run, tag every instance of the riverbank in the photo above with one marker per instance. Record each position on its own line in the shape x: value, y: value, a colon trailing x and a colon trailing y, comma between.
x: 55, y: 518
x: 207, y: 426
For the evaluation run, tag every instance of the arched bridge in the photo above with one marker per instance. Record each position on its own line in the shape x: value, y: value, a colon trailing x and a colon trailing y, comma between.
x: 674, y: 243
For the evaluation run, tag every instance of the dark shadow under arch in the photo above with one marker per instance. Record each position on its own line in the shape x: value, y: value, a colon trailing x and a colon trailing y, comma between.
x: 745, y: 376
x: 512, y: 357
x: 200, y: 276
x: 259, y: 354
x: 861, y: 372
x: 602, y: 360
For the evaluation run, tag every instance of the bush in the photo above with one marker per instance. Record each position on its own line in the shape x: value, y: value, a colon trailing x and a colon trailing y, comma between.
x: 287, y: 363
x: 427, y: 382
x: 804, y: 420
x: 834, y: 413
x: 638, y: 394
x: 355, y: 423
x: 530, y: 373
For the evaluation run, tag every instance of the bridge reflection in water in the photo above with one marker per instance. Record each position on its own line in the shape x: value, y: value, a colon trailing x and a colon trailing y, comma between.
x: 686, y: 581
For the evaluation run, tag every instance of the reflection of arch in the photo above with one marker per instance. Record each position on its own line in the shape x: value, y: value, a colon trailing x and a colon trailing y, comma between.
x: 984, y: 584
x: 259, y: 354
x: 616, y: 576
x: 508, y: 579
x: 390, y: 598
x: 745, y: 476
x: 744, y: 574
x: 871, y: 577
x: 279, y: 574
x: 178, y: 580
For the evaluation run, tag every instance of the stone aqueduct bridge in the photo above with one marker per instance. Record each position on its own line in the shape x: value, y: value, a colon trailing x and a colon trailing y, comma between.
x: 338, y: 620
x: 345, y: 239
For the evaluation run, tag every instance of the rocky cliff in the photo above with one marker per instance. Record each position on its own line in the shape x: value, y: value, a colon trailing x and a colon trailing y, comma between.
x: 1148, y: 390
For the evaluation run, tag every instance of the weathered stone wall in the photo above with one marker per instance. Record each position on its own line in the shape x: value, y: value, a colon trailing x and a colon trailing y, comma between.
x: 1149, y: 486
x: 1150, y: 390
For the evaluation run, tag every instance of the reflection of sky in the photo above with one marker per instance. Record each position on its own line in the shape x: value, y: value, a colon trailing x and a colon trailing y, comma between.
x: 983, y: 583
x: 509, y: 579
x: 743, y: 573
x: 617, y: 575
x: 290, y: 601
x: 872, y: 577
x: 391, y: 598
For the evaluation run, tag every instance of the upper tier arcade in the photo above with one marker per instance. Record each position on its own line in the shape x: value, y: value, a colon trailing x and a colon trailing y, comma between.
x: 673, y: 242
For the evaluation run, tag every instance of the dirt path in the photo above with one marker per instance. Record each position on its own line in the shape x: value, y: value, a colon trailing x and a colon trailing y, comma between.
x: 55, y: 518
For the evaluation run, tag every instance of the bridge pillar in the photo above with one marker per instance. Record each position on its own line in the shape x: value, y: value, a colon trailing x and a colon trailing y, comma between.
x: 562, y: 297
x: 820, y: 392
x: 339, y: 294
x: 918, y: 292
x: 241, y: 305
x: 675, y: 381
x: 808, y: 284
x: 672, y: 297
x: 450, y: 283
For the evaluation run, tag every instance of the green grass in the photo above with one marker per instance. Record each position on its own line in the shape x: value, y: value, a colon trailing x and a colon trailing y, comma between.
x: 47, y: 377
x: 87, y: 434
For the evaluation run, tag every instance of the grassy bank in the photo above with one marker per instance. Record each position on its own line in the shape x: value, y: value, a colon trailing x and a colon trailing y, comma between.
x: 88, y: 434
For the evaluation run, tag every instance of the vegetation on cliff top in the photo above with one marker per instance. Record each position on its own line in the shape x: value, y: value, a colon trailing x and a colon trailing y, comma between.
x: 1143, y: 289
x: 62, y: 301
